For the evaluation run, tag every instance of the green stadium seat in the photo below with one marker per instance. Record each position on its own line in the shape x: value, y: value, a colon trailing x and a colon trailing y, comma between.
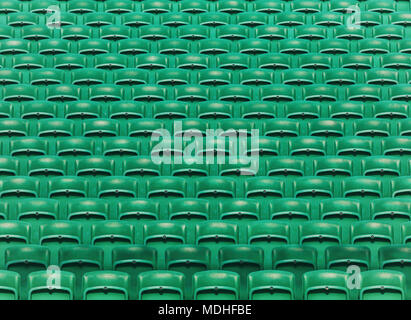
x: 216, y: 285
x: 161, y: 285
x: 382, y: 285
x: 105, y: 285
x: 271, y: 285
x: 325, y: 285
x: 41, y: 286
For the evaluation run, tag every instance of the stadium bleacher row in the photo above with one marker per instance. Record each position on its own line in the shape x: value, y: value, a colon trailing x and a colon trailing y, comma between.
x: 318, y: 207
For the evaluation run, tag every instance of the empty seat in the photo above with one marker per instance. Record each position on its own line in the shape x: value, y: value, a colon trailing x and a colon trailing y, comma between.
x: 216, y: 285
x: 382, y: 285
x: 161, y: 285
x: 46, y: 285
x: 271, y: 285
x: 105, y: 285
x: 325, y: 285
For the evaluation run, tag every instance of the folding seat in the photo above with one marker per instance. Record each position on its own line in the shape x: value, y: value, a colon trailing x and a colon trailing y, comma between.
x: 389, y: 32
x: 325, y: 285
x: 149, y: 93
x: 231, y: 6
x: 394, y: 61
x: 271, y: 32
x: 343, y: 256
x: 319, y: 235
x: 192, y: 61
x: 216, y: 285
x: 41, y: 7
x: 214, y: 77
x: 6, y: 110
x: 192, y: 128
x: 98, y: 166
x: 356, y: 61
x: 364, y: 92
x: 372, y: 128
x: 239, y: 210
x: 341, y: 5
x: 268, y: 6
x: 382, y: 285
x: 79, y: 260
x: 334, y: 46
x: 328, y: 18
x: 193, y: 7
x: 175, y: 19
x: 380, y: 166
x: 173, y: 46
x: 404, y: 46
x: 313, y: 187
x: 9, y: 76
x: 232, y: 32
x: 39, y: 287
x: 400, y: 18
x: 156, y: 6
x: 161, y: 235
x: 10, y: 6
x: 235, y: 127
x: 341, y: 77
x: 381, y: 77
x: 141, y: 166
x: 302, y: 110
x: 144, y: 127
x: 374, y: 46
x: 401, y: 187
x: 307, y: 146
x: 191, y: 93
x: 172, y: 77
x: 130, y: 77
x: 391, y: 210
x: 281, y: 128
x: 82, y: 110
x: 189, y: 170
x: 362, y: 187
x: 117, y: 187
x: 161, y: 285
x: 215, y: 188
x: 25, y: 259
x: 106, y: 285
x: 62, y: 93
x: 136, y: 19
x: 38, y: 110
x: 121, y: 147
x: 55, y: 128
x: 271, y: 285
x: 60, y: 233
x: 278, y: 93
x: 315, y: 61
x: 111, y: 233
x: 285, y: 166
x: 46, y: 166
x: 76, y: 32
x: 9, y: 166
x: 81, y: 6
x: 214, y: 110
x: 28, y: 147
x: 258, y: 110
x: 93, y: 46
x: 19, y: 187
x: 209, y: 46
x: 69, y: 61
x: 166, y: 187
x: 188, y: 260
x: 298, y: 77
x: 154, y: 32
x: 354, y: 146
x: 14, y: 233
x: 138, y: 210
x: 13, y: 128
x: 19, y: 93
x: 294, y: 46
x: 21, y: 19
x: 133, y: 46
x: 264, y: 188
x: 401, y: 92
x: 396, y: 258
x: 310, y: 32
x: 189, y: 210
x: 396, y: 146
x: 254, y: 46
x: 67, y: 187
x: 233, y: 61
x: 297, y: 260
x: 88, y: 77
x: 28, y: 61
x: 110, y: 61
x: 100, y: 128
x: 10, y: 284
x: 35, y: 33
x: 374, y: 235
x: 151, y: 61
x: 75, y: 146
x: 118, y: 7
x: 242, y: 260
x: 381, y: 6
x: 341, y: 211
x: 326, y: 128
x: 213, y: 19
x: 252, y: 19
x: 320, y: 92
x: 290, y: 19
x: 98, y: 19
x: 349, y: 33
